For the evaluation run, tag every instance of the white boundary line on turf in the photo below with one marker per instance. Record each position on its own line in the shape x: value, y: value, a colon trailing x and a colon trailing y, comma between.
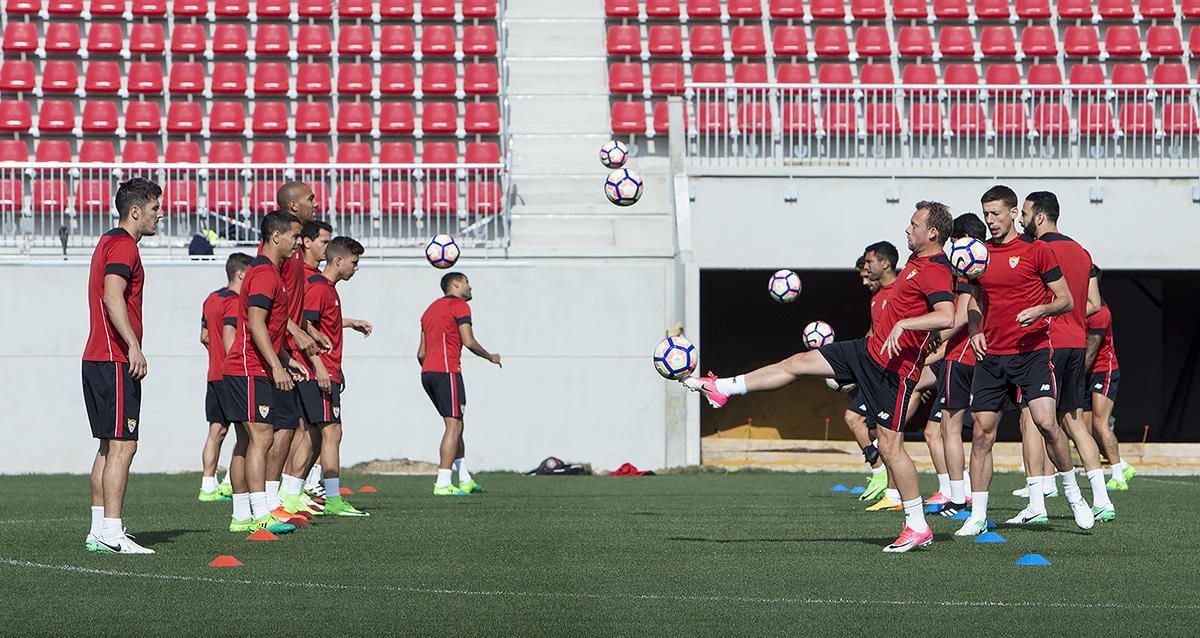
x: 39, y: 520
x: 1158, y: 480
x: 75, y: 569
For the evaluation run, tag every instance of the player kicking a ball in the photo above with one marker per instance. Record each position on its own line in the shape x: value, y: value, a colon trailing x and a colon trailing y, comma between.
x: 886, y: 365
x: 445, y: 328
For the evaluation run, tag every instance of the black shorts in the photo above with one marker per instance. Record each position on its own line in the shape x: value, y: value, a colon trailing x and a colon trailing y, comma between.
x: 858, y: 404
x: 997, y: 374
x: 212, y: 404
x: 318, y: 406
x: 1102, y: 383
x: 113, y: 400
x: 1070, y: 377
x: 885, y: 394
x: 938, y: 368
x: 447, y: 392
x: 286, y: 410
x: 246, y: 399
x: 954, y: 386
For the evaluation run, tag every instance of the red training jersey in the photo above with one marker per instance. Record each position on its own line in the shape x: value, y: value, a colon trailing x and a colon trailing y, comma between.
x: 1101, y: 324
x: 220, y: 309
x: 923, y: 282
x: 116, y: 254
x: 877, y: 302
x: 1016, y: 279
x: 1070, y: 330
x: 323, y: 309
x: 958, y: 346
x: 439, y: 326
x: 262, y: 288
x: 307, y: 272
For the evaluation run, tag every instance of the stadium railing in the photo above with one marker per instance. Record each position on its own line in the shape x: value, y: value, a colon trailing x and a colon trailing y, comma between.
x: 1075, y: 129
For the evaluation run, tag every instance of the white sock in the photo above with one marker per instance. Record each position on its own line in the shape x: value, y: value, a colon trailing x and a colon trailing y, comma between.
x: 1099, y: 491
x: 958, y: 492
x: 878, y: 470
x: 979, y: 503
x: 1050, y: 485
x: 258, y: 505
x: 333, y: 487
x: 1118, y: 471
x: 967, y: 482
x: 97, y: 520
x: 314, y: 475
x: 732, y: 386
x: 292, y: 485
x: 460, y: 466
x: 914, y: 515
x: 443, y: 478
x: 241, y: 507
x: 1037, y: 500
x: 272, y: 494
x: 944, y: 483
x: 892, y: 495
x: 225, y: 481
x: 1070, y: 486
x: 111, y: 529
x: 208, y: 484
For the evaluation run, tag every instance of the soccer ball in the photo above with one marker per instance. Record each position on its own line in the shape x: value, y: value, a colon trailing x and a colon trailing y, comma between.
x: 969, y: 256
x: 623, y: 187
x: 834, y: 385
x: 817, y: 334
x: 613, y: 154
x: 442, y: 251
x: 784, y: 286
x: 675, y: 358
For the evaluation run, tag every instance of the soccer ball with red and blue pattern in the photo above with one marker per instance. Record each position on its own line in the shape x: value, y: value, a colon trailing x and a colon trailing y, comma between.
x: 442, y: 251
x: 784, y: 286
x: 613, y: 154
x: 675, y: 358
x: 969, y: 256
x: 817, y: 334
x: 623, y: 187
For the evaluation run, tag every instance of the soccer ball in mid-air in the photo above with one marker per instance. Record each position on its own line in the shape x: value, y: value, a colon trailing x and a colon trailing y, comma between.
x: 817, y: 334
x: 675, y: 358
x: 837, y: 386
x: 969, y: 256
x: 442, y: 251
x: 623, y: 187
x: 613, y: 154
x: 784, y: 286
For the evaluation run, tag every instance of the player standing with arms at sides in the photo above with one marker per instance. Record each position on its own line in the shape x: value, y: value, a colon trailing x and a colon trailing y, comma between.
x: 218, y: 326
x: 113, y: 363
x: 258, y: 372
x: 1009, y: 331
x: 445, y: 328
x: 321, y: 395
x: 1101, y: 395
x: 886, y: 365
x: 1068, y: 340
x: 880, y: 260
x: 856, y: 415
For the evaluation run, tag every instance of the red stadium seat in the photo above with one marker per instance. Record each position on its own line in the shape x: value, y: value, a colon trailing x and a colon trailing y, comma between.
x: 273, y: 9
x: 226, y: 152
x: 1116, y: 9
x: 229, y: 78
x: 16, y: 116
x: 992, y: 9
x: 910, y: 9
x: 789, y: 41
x: 666, y: 78
x: 827, y: 9
x: 184, y: 117
x: 754, y: 117
x: 143, y: 117
x: 106, y: 8
x: 188, y: 39
x: 225, y: 195
x: 437, y: 9
x: 661, y: 119
x: 967, y: 119
x: 355, y: 78
x: 998, y: 75
x: 997, y: 42
x: 360, y: 9
x: 479, y: 40
x: 149, y: 8
x: 1137, y: 119
x: 314, y: 8
x: 1040, y: 41
x: 269, y: 118
x: 1179, y: 118
x: 439, y: 197
x: 663, y: 40
x: 620, y: 8
x: 22, y: 7
x: 1033, y: 9
x: 354, y: 118
x: 750, y: 73
x: 831, y: 42
x: 399, y: 118
x: 397, y: 197
x: 868, y: 9
x: 439, y: 153
x: 398, y: 39
x: 1173, y: 73
x: 914, y: 42
x: 60, y: 76
x: 312, y: 118
x: 187, y: 78
x: 311, y: 153
x: 178, y: 152
x: 1194, y: 41
x: 916, y: 74
x: 793, y: 74
x: 882, y: 118
x: 798, y: 118
x: 134, y: 152
x: 50, y: 194
x: 1165, y: 9
x: 438, y: 40
x: 56, y: 116
x: 747, y: 40
x: 232, y: 8
x: 872, y: 41
x: 22, y: 37
x: 98, y: 151
x: 93, y: 194
x: 1128, y: 75
x: 1082, y: 42
x: 147, y: 39
x: 102, y: 76
x: 479, y: 9
x: 227, y: 118
x: 1010, y: 119
x: 61, y: 37
x: 482, y: 153
x: 628, y: 118
x: 1095, y: 118
x: 960, y: 75
x: 876, y: 74
x: 439, y: 78
x: 951, y: 9
x: 1163, y: 41
x: 787, y: 9
x: 709, y: 73
x: 105, y: 38
x: 482, y: 118
x: 397, y: 79
x: 840, y: 119
x: 662, y: 9
x: 232, y: 39
x: 64, y: 7
x: 52, y: 151
x: 744, y: 9
x: 271, y: 78
x: 17, y: 76
x: 625, y: 39
x: 314, y: 39
x: 704, y: 9
x: 1123, y: 41
x: 263, y: 188
x: 1044, y: 74
x: 485, y: 197
x: 625, y: 78
x: 706, y: 40
x: 189, y: 8
x: 1075, y: 9
x: 956, y: 41
x: 269, y: 40
x: 394, y: 9
x: 314, y: 78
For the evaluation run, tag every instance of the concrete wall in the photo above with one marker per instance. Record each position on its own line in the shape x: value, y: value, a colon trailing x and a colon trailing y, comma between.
x: 575, y: 335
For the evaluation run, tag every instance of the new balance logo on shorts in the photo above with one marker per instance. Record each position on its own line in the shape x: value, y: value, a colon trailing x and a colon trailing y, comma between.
x: 884, y: 415
x: 1045, y: 387
x: 1098, y: 386
x: 862, y: 406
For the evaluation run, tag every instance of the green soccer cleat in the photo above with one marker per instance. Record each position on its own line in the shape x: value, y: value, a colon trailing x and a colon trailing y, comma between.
x: 294, y: 504
x: 876, y: 486
x: 1105, y: 514
x: 272, y: 525
x: 91, y: 543
x: 212, y: 497
x: 1129, y: 472
x: 1115, y: 484
x: 470, y: 487
x: 241, y: 527
x: 445, y: 490
x: 337, y: 506
x: 225, y: 490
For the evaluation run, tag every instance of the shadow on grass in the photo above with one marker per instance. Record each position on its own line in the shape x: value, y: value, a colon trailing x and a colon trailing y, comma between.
x: 876, y: 542
x: 165, y: 536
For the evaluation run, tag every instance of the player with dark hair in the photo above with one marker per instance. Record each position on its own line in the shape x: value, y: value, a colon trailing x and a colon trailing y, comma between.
x: 856, y: 414
x: 218, y: 326
x: 881, y: 261
x: 113, y: 363
x: 446, y: 327
x: 1104, y: 374
x: 886, y: 365
x: 1009, y: 329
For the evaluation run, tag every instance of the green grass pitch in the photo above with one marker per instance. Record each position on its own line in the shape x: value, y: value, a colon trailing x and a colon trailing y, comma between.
x: 700, y: 554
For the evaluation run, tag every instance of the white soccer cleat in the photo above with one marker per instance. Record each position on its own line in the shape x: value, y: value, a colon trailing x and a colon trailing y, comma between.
x: 1021, y: 493
x: 1084, y: 517
x: 1028, y: 517
x: 972, y: 527
x: 123, y: 545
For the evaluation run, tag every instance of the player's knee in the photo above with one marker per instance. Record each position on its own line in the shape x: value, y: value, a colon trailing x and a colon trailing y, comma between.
x: 796, y: 364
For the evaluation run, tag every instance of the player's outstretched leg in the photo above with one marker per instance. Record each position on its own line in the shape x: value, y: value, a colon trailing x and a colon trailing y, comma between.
x: 448, y: 452
x: 1057, y: 446
x: 771, y: 377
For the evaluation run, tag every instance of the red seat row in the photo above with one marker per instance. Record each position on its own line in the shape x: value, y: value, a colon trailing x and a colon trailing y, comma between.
x: 903, y: 9
x: 266, y: 9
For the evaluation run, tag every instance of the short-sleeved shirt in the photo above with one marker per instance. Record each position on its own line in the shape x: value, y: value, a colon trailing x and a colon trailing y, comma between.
x: 116, y: 254
x: 877, y: 302
x: 923, y: 282
x: 1070, y: 330
x: 958, y: 346
x: 439, y: 326
x: 220, y: 309
x: 262, y: 288
x: 323, y: 309
x: 307, y: 272
x: 1015, y: 280
x: 1100, y: 324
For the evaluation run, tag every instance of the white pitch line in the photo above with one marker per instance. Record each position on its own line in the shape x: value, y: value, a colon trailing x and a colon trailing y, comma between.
x: 75, y: 569
x: 1158, y: 480
x: 40, y: 520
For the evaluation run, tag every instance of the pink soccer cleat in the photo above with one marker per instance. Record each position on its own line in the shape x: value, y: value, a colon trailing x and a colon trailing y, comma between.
x: 937, y: 499
x: 910, y: 539
x: 707, y: 385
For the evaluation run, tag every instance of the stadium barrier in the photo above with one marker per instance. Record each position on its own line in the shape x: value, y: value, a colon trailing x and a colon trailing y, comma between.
x: 384, y: 205
x: 1075, y: 128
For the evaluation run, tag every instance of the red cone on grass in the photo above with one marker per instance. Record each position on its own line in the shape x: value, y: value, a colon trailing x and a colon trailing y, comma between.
x: 225, y: 561
x: 345, y: 491
x: 367, y: 489
x: 262, y: 535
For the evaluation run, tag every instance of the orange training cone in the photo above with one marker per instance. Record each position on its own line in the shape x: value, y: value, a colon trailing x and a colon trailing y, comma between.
x: 225, y: 561
x: 262, y: 535
x: 345, y: 491
x: 299, y: 521
x: 367, y: 489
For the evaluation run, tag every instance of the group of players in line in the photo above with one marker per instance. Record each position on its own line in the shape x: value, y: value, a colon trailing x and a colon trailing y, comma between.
x: 274, y: 340
x: 1032, y: 332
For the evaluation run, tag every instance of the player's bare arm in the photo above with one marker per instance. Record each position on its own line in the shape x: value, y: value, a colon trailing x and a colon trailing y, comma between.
x: 1093, y: 347
x: 1093, y: 296
x: 1062, y: 304
x: 118, y: 314
x: 204, y: 336
x: 940, y: 318
x: 468, y: 339
x: 256, y: 323
x: 293, y: 366
x: 320, y: 338
x: 421, y: 350
x: 974, y: 325
x: 358, y: 325
x: 304, y: 342
x: 228, y: 334
x: 961, y: 305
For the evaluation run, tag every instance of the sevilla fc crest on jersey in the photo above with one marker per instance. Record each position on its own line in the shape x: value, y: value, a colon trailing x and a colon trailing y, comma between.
x: 1013, y: 261
x: 264, y: 410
